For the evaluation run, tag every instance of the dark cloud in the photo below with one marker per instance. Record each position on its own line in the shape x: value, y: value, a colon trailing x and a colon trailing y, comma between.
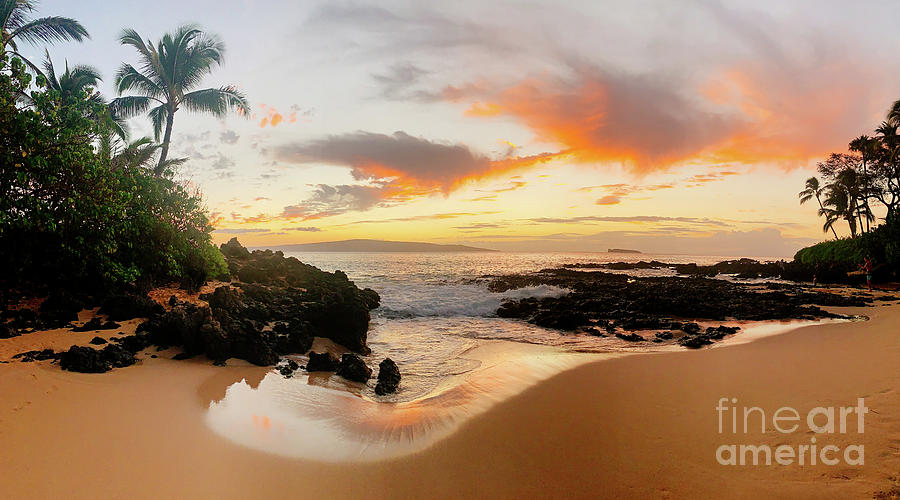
x: 327, y: 201
x: 228, y: 137
x: 413, y: 30
x: 399, y: 82
x: 372, y: 155
x: 222, y: 162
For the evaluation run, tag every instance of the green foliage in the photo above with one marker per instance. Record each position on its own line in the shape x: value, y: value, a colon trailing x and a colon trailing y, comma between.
x: 70, y: 214
x: 844, y: 250
x: 881, y: 245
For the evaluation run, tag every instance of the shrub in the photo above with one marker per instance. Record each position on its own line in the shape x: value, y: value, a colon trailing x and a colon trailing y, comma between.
x: 68, y: 217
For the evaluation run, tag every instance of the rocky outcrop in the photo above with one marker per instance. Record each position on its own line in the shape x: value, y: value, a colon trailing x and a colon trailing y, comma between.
x: 234, y: 250
x: 124, y: 306
x: 353, y: 368
x: 96, y: 324
x: 89, y: 360
x: 60, y: 309
x: 322, y: 362
x: 388, y: 377
x: 326, y: 304
x: 277, y: 308
x: 288, y: 368
x: 600, y: 300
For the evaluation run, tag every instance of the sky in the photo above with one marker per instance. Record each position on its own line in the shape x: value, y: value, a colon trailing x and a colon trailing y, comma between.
x: 667, y: 127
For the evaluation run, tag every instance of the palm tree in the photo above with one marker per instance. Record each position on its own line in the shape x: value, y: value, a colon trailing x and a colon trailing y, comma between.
x: 15, y: 26
x: 78, y: 79
x: 867, y: 147
x: 168, y: 73
x: 814, y: 190
x: 836, y: 207
x: 140, y: 154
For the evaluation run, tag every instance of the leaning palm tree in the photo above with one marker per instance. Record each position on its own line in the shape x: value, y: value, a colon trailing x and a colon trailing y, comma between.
x: 168, y: 73
x: 814, y: 190
x: 16, y: 26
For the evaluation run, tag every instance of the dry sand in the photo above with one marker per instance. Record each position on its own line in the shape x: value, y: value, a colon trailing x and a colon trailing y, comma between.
x: 643, y: 426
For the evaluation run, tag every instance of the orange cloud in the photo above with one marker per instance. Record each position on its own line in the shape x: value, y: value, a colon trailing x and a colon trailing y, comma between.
x: 752, y: 114
x: 273, y: 117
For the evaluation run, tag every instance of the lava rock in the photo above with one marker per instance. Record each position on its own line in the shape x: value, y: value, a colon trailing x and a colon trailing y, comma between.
x: 7, y: 332
x: 129, y: 306
x: 98, y: 341
x: 287, y: 369
x: 694, y: 341
x: 28, y: 357
x: 117, y: 356
x: 84, y: 360
x: 321, y: 362
x: 93, y: 324
x: 633, y: 337
x: 388, y: 377
x: 662, y: 336
x: 353, y: 368
x: 234, y: 250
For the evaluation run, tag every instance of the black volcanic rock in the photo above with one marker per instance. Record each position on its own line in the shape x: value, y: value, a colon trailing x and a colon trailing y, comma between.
x: 84, y: 360
x: 288, y: 368
x: 124, y: 306
x: 234, y: 250
x: 615, y: 301
x: 7, y: 331
x: 321, y: 362
x: 388, y: 377
x: 277, y: 308
x: 28, y: 357
x: 353, y: 368
x: 60, y: 308
x: 98, y: 341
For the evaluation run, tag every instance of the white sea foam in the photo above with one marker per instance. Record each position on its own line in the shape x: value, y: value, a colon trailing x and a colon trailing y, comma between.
x: 430, y: 300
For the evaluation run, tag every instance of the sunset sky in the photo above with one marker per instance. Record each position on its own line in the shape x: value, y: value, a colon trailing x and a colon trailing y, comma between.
x: 670, y: 127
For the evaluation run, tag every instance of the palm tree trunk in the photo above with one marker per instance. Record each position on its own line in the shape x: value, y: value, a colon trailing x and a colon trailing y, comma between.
x: 165, y: 145
x: 823, y: 208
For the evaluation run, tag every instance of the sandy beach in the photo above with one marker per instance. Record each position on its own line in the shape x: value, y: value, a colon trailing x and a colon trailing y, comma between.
x: 642, y: 426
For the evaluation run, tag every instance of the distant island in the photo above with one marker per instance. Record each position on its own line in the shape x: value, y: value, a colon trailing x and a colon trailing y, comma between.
x: 622, y: 250
x: 377, y: 246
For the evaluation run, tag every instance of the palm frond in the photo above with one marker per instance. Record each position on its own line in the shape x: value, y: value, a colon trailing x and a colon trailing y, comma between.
x: 128, y: 106
x: 50, y: 29
x: 217, y: 102
x: 158, y: 117
x: 129, y: 78
x: 14, y: 13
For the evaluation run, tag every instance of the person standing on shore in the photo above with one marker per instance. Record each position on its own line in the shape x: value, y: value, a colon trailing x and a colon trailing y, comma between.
x: 867, y: 267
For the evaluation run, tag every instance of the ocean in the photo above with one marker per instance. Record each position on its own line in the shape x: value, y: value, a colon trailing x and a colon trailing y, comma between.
x: 437, y: 321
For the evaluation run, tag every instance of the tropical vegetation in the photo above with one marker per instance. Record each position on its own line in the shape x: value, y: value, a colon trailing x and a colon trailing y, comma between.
x: 860, y: 189
x: 83, y: 205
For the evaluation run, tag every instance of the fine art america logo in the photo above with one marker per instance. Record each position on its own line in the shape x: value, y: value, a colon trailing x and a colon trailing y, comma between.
x: 823, y: 421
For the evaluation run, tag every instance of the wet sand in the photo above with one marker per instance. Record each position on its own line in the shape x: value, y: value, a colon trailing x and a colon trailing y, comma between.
x: 641, y: 426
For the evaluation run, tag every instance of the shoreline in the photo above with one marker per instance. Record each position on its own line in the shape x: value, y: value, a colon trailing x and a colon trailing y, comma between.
x: 622, y: 421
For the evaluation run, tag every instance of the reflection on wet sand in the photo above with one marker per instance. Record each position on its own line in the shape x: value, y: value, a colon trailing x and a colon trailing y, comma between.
x: 322, y: 417
x: 309, y: 417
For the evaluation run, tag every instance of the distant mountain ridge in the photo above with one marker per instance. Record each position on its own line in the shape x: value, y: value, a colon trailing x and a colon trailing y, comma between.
x: 362, y: 245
